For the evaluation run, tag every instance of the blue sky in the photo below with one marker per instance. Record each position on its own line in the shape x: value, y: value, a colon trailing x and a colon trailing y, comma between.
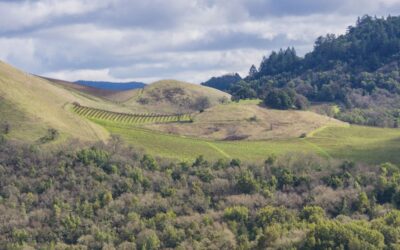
x: 147, y: 40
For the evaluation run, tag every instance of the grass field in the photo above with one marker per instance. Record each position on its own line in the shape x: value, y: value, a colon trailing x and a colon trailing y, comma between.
x: 364, y: 144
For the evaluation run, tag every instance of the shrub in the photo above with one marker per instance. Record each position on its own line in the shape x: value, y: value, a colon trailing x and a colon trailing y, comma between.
x: 201, y: 103
x: 93, y: 155
x: 236, y: 213
x: 149, y: 163
x: 270, y: 215
x: 279, y: 99
x: 148, y: 240
x: 312, y: 214
x: 247, y: 184
x: 336, y: 235
x: 51, y: 135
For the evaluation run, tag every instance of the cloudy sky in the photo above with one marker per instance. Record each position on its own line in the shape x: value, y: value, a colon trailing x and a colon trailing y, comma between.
x: 147, y: 40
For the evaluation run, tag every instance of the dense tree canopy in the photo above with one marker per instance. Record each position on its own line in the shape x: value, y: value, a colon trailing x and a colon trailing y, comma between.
x: 112, y: 197
x: 359, y: 71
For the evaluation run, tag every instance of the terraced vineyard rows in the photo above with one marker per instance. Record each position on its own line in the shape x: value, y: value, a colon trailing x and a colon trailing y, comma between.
x: 129, y: 118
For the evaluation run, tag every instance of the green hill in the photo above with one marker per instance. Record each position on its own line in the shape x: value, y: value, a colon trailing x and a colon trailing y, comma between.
x: 31, y: 105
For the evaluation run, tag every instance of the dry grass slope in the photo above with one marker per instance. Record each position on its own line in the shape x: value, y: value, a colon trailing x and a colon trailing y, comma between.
x: 247, y: 120
x: 44, y: 105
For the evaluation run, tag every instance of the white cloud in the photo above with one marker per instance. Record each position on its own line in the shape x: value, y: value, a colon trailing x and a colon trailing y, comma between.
x: 85, y: 74
x: 185, y: 39
x: 15, y: 15
x: 18, y: 51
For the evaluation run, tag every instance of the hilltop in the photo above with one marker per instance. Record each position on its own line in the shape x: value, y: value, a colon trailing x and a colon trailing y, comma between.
x: 171, y: 96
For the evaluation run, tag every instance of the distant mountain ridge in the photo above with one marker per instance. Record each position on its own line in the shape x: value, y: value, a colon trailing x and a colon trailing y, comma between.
x: 118, y: 86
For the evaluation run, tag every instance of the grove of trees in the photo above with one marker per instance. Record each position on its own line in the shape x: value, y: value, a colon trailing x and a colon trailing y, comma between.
x: 359, y: 71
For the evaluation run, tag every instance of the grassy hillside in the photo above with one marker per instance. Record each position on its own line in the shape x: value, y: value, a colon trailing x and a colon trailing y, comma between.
x: 363, y: 144
x: 32, y: 105
x: 248, y: 120
x: 29, y: 106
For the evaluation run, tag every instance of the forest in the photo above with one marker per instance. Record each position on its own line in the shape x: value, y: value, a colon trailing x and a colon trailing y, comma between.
x: 111, y: 196
x: 358, y: 71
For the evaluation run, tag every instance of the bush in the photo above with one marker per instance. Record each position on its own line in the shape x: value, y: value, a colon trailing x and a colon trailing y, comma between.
x: 51, y: 135
x: 236, y: 213
x: 149, y: 163
x: 247, y: 184
x: 312, y: 214
x: 278, y: 99
x: 201, y: 103
x: 270, y: 215
x: 336, y: 235
x: 93, y: 155
x: 148, y: 240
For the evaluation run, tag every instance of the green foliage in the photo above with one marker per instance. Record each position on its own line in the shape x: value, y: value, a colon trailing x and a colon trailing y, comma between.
x: 336, y: 235
x: 271, y: 215
x: 149, y: 163
x: 237, y: 213
x: 246, y: 183
x: 279, y: 99
x: 224, y: 82
x: 312, y: 214
x: 148, y: 240
x: 362, y: 204
x: 358, y: 71
x: 62, y: 199
x: 93, y: 156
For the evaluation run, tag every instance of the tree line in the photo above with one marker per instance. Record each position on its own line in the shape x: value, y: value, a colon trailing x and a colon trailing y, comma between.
x: 359, y: 71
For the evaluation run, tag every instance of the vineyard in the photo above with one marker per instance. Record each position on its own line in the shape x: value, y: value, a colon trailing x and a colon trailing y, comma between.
x: 129, y: 118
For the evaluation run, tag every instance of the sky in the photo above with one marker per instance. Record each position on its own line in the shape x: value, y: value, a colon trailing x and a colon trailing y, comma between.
x: 149, y: 40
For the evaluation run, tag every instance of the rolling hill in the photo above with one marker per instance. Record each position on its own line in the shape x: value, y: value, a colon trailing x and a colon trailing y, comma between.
x: 31, y: 105
x: 170, y: 96
x: 149, y: 119
x: 247, y: 120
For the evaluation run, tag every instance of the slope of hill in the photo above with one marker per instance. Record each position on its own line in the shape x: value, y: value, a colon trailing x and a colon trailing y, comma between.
x: 115, y: 86
x: 247, y: 120
x: 31, y: 105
